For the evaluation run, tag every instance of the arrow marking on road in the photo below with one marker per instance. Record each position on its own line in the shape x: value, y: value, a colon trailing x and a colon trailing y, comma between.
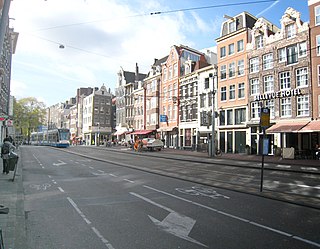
x: 175, y: 223
x: 59, y: 164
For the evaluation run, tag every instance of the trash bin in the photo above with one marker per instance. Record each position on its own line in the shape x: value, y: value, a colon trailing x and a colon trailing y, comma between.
x: 13, y: 160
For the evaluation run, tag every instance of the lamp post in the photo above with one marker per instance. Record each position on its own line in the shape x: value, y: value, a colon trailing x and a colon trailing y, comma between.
x: 213, y: 116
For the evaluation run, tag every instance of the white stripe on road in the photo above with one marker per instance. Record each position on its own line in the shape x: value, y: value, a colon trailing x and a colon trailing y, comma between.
x: 61, y: 190
x: 113, y: 175
x: 127, y: 180
x: 237, y: 218
x: 101, y: 171
x: 105, y: 241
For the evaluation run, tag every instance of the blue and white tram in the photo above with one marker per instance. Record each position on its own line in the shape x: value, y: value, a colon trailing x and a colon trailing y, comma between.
x: 56, y: 137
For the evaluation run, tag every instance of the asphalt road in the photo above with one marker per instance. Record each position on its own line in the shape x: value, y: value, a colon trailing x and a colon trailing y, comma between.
x: 76, y: 202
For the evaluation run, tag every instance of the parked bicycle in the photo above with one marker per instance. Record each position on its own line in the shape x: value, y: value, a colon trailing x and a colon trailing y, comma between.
x: 218, y: 152
x: 3, y: 210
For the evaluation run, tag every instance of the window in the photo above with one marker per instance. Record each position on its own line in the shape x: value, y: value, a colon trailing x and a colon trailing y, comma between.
x: 206, y: 83
x: 292, y: 54
x: 290, y: 30
x: 254, y: 65
x: 317, y: 15
x: 232, y: 70
x: 232, y: 26
x: 223, y: 72
x: 232, y: 92
x: 240, y: 116
x: 175, y: 70
x: 231, y: 48
x: 282, y: 55
x: 229, y: 117
x: 240, y: 46
x: 303, y: 105
x: 268, y: 83
x: 170, y: 72
x: 270, y: 105
x: 164, y: 74
x: 318, y: 44
x: 267, y: 61
x: 202, y: 100
x: 254, y: 84
x: 223, y: 92
x: 241, y: 90
x: 254, y: 110
x: 302, y: 77
x: 302, y: 49
x: 259, y: 41
x: 222, y: 117
x: 241, y: 67
x: 286, y: 107
x: 222, y: 52
x: 318, y: 75
x: 284, y: 79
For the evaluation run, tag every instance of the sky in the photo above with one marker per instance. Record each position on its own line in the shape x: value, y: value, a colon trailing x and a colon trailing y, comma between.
x: 67, y: 44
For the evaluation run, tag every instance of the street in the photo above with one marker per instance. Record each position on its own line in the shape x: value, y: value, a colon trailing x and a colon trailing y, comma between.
x: 72, y: 201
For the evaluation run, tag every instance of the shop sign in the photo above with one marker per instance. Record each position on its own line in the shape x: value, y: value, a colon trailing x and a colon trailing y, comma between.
x: 279, y: 94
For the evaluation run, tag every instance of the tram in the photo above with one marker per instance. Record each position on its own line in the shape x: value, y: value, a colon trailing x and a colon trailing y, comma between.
x: 55, y: 137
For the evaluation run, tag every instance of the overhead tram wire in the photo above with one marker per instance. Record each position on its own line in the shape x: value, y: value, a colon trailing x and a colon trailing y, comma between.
x: 211, y: 7
x: 158, y: 13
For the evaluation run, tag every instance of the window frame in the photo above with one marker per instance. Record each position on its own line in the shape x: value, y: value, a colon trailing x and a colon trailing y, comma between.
x: 304, y: 75
x: 223, y: 93
x: 254, y: 65
x: 267, y: 61
x: 303, y: 102
x: 254, y: 86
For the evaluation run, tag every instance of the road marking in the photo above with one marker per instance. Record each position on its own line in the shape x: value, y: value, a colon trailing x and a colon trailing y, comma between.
x: 101, y: 171
x: 61, y: 190
x: 78, y: 211
x: 105, y: 241
x: 175, y: 223
x: 127, y: 180
x: 54, y: 182
x: 59, y: 164
x: 236, y: 217
x: 91, y: 167
x: 283, y: 166
x: 96, y: 231
x: 113, y: 175
x: 309, y: 168
x: 40, y: 186
x: 49, y: 176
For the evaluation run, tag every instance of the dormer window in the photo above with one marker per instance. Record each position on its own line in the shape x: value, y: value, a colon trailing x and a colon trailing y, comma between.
x: 232, y: 26
x: 259, y: 41
x: 290, y: 30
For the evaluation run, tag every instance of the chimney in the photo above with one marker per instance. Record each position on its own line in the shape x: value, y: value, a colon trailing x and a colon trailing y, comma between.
x: 137, y: 73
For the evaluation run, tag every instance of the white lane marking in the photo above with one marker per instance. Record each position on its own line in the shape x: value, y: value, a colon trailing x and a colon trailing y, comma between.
x: 175, y: 223
x: 113, y: 175
x: 49, y: 176
x: 309, y: 168
x: 91, y: 167
x: 54, y: 182
x: 236, y: 217
x: 96, y: 231
x: 101, y: 171
x: 283, y: 166
x: 105, y: 241
x: 59, y: 164
x: 61, y: 190
x: 127, y: 180
x: 78, y: 210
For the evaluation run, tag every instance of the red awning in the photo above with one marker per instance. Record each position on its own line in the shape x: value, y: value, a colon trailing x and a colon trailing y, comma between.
x: 293, y: 126
x: 141, y: 132
x: 313, y: 126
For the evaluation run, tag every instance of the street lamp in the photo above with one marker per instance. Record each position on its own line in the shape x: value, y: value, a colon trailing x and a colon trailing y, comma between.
x: 213, y: 116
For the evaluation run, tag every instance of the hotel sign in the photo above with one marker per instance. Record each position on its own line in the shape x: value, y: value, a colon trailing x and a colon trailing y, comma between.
x: 279, y: 94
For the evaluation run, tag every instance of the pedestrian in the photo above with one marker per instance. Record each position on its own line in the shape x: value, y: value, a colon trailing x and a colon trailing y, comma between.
x: 6, y: 148
x: 317, y: 152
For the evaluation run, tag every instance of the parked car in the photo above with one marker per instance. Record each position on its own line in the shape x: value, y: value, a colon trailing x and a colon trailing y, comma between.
x: 152, y: 144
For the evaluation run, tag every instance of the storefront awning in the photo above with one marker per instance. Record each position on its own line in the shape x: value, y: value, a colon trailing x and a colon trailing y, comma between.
x: 119, y: 133
x: 312, y: 126
x: 293, y: 126
x: 141, y: 132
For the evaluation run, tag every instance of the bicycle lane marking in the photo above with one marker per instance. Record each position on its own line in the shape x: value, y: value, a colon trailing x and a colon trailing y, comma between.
x: 237, y: 217
x: 95, y: 230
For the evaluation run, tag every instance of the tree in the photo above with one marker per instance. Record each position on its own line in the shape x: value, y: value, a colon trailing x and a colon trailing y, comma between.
x: 29, y: 114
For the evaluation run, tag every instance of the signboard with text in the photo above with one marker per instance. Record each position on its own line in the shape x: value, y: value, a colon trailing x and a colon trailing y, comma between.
x: 265, y: 117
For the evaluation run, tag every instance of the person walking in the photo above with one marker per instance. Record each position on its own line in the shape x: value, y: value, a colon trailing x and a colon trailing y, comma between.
x: 6, y: 148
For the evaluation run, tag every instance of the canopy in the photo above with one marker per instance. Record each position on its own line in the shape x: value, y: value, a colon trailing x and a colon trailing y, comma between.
x: 293, y: 126
x: 312, y: 126
x: 119, y: 133
x: 141, y: 132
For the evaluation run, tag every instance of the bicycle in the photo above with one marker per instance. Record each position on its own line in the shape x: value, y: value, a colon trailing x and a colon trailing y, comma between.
x: 218, y: 152
x: 3, y: 210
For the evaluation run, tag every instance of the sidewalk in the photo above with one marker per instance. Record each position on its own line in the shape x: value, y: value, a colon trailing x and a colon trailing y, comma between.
x: 13, y: 223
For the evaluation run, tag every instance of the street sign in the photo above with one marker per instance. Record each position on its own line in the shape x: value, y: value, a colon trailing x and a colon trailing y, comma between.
x: 163, y: 118
x: 265, y: 117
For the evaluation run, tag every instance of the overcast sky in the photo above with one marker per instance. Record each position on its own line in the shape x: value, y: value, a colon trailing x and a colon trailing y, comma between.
x: 100, y: 36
